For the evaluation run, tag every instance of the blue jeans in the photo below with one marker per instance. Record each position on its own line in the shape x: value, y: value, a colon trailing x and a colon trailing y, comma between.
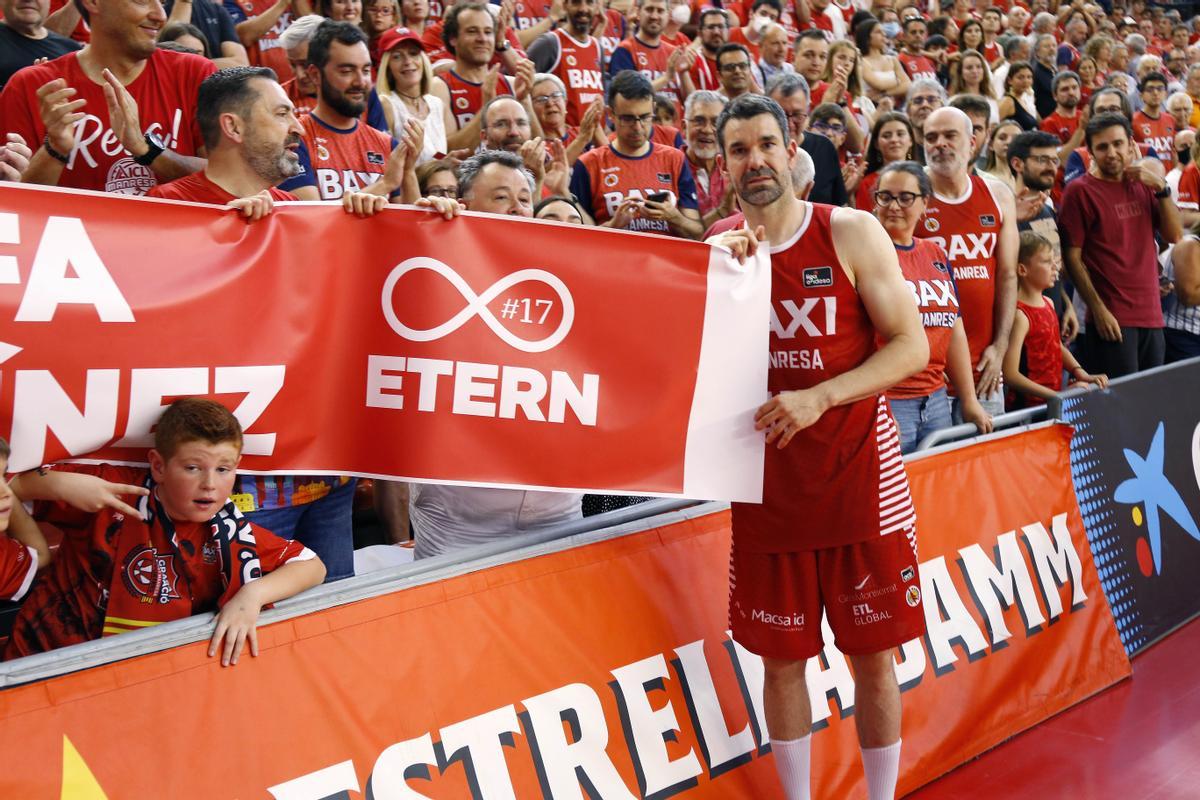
x: 917, y: 417
x: 323, y: 526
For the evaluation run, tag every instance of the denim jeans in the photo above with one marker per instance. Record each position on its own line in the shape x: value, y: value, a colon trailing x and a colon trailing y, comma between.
x: 992, y: 404
x: 917, y: 417
x: 323, y: 526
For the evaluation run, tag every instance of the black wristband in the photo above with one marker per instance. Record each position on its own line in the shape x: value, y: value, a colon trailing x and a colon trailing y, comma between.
x: 1163, y: 193
x: 57, y: 156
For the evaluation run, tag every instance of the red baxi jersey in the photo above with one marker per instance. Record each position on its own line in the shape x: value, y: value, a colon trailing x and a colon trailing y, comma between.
x: 580, y: 67
x: 466, y: 98
x: 1158, y: 132
x: 268, y: 50
x: 337, y: 161
x: 968, y: 229
x: 603, y: 178
x: 635, y: 54
x: 927, y: 272
x: 165, y: 93
x: 841, y: 480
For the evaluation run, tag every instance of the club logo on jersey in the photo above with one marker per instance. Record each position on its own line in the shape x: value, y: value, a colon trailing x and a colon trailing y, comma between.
x: 642, y: 60
x: 322, y: 153
x: 913, y: 596
x: 987, y: 220
x: 461, y: 102
x: 208, y: 552
x: 941, y: 266
x: 1145, y: 130
x: 932, y: 225
x: 664, y: 177
x: 127, y: 176
x: 611, y: 179
x: 571, y: 60
x: 816, y: 277
x: 150, y: 576
x: 907, y: 574
x: 374, y: 158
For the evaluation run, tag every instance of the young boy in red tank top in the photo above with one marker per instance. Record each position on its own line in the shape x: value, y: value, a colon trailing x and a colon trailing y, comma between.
x: 1033, y: 364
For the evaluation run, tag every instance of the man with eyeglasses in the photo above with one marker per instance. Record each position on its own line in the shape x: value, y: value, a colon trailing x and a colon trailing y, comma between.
x: 734, y: 66
x: 575, y: 57
x: 1034, y: 158
x: 713, y: 194
x: 790, y: 91
x: 924, y: 97
x: 633, y: 182
x: 714, y: 32
x: 974, y: 220
x: 1152, y: 125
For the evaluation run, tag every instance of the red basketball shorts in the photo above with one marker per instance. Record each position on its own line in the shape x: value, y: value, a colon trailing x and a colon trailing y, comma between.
x: 870, y: 591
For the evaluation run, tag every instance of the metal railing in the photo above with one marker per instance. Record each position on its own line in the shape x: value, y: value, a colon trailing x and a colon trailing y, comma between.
x: 1025, y: 416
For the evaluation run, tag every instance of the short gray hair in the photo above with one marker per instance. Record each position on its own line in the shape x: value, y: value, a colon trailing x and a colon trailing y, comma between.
x: 925, y: 83
x: 300, y: 31
x: 805, y: 172
x: 1043, y: 18
x: 469, y: 169
x: 1136, y: 43
x: 542, y: 77
x: 702, y: 96
x: 786, y: 84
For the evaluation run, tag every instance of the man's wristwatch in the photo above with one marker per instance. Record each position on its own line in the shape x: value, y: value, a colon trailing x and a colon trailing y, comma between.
x: 155, y: 147
x: 503, y: 49
x: 1164, y: 192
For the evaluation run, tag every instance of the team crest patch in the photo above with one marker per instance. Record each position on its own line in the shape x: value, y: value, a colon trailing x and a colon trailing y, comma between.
x: 150, y: 576
x: 374, y: 158
x: 611, y: 179
x: 932, y: 225
x: 987, y: 220
x: 907, y: 574
x: 322, y: 153
x: 664, y: 177
x: 571, y: 61
x: 913, y: 596
x: 941, y: 266
x: 815, y: 277
x: 461, y: 102
x: 1146, y: 130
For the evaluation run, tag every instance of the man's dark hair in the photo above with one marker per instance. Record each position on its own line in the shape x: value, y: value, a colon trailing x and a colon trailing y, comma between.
x: 775, y: 4
x: 328, y: 32
x: 909, y: 168
x: 972, y: 104
x: 1024, y: 142
x: 937, y: 40
x: 450, y: 27
x: 911, y: 20
x: 938, y: 27
x: 630, y: 84
x: 1099, y: 124
x: 554, y: 198
x: 1065, y: 75
x: 177, y: 30
x: 708, y: 12
x: 993, y: 10
x: 749, y: 106
x: 469, y: 170
x: 810, y: 34
x: 730, y: 47
x: 83, y: 12
x: 1126, y: 109
x: 1153, y: 77
x: 226, y: 91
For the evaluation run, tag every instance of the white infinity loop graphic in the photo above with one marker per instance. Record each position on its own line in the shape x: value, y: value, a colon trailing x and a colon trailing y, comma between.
x: 478, y: 305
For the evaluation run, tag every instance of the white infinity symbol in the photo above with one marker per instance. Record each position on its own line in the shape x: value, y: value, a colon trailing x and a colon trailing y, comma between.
x: 478, y: 305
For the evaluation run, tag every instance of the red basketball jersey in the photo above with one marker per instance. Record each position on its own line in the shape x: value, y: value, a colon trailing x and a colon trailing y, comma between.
x: 580, y: 67
x: 927, y: 272
x: 1158, y: 133
x: 466, y: 98
x: 841, y: 480
x: 604, y: 178
x: 705, y: 74
x: 652, y: 62
x: 968, y: 229
x: 917, y: 67
x: 344, y: 160
x: 268, y: 50
x: 614, y: 32
x: 1062, y: 127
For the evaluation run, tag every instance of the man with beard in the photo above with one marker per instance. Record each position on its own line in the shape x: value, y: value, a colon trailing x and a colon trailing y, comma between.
x: 338, y: 152
x: 736, y: 69
x: 836, y: 511
x: 663, y: 64
x: 1034, y: 158
x: 912, y: 56
x: 634, y: 182
x: 575, y: 57
x: 1152, y: 125
x: 1066, y: 123
x: 713, y: 194
x: 300, y: 88
x: 117, y: 116
x: 714, y: 32
x: 790, y: 91
x: 24, y: 37
x: 974, y: 220
x: 1110, y: 219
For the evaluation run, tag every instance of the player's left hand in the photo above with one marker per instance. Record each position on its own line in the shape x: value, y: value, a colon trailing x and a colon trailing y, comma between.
x: 988, y: 370
x: 788, y: 413
x: 236, y: 625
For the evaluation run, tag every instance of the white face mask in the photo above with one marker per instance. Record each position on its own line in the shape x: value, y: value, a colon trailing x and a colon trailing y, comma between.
x: 761, y: 23
x: 681, y: 14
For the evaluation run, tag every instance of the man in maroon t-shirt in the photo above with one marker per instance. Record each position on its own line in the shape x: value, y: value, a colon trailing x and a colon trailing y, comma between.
x: 1109, y: 220
x: 116, y: 116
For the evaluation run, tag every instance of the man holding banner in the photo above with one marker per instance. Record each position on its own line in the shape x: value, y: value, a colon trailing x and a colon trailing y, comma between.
x: 836, y: 529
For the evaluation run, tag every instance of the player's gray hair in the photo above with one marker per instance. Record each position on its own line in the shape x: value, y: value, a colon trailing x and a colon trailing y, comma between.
x: 468, y: 170
x: 702, y: 96
x: 786, y: 84
x: 300, y: 31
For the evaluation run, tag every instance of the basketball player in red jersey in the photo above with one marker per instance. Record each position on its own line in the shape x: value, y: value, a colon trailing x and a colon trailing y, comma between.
x: 974, y: 219
x: 665, y: 65
x: 116, y: 116
x: 575, y: 57
x: 836, y: 528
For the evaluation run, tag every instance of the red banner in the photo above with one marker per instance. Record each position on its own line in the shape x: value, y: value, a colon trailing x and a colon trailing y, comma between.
x: 605, y: 665
x: 484, y: 350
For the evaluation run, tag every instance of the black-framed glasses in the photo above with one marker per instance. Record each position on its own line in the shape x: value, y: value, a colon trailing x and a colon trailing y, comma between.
x: 546, y: 98
x: 629, y: 120
x: 903, y: 199
x: 834, y: 128
x: 736, y: 66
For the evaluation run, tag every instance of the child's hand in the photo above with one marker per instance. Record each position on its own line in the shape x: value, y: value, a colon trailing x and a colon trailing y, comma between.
x: 91, y: 494
x: 1084, y: 379
x: 236, y: 625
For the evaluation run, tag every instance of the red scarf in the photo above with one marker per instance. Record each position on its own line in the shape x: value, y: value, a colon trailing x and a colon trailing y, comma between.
x: 153, y: 576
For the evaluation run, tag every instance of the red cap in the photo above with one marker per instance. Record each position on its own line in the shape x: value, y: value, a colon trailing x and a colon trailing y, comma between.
x: 397, y: 36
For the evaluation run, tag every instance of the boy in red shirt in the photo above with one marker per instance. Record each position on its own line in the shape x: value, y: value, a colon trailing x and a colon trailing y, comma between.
x: 1033, y: 364
x: 185, y: 549
x: 23, y: 552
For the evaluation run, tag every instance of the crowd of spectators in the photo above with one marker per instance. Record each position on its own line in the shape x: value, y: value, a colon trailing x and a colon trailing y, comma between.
x: 1029, y: 147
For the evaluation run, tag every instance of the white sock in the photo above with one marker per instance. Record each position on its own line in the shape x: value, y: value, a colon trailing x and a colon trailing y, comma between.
x: 882, y: 765
x: 791, y: 762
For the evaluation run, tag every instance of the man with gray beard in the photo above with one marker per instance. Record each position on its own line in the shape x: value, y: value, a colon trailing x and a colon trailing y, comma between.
x: 974, y: 220
x: 713, y: 193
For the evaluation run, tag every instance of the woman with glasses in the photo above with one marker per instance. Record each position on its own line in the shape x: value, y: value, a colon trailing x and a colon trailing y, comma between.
x: 437, y: 179
x: 404, y: 90
x: 920, y: 404
x: 892, y: 140
x: 833, y: 122
x: 378, y: 16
